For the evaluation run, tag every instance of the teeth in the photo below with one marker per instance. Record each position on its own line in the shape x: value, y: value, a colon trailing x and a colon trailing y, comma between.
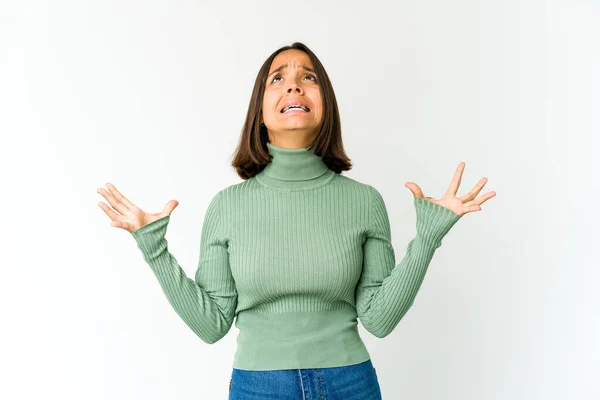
x: 290, y: 107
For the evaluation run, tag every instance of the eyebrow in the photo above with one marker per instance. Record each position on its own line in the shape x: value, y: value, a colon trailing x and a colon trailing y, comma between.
x: 285, y: 66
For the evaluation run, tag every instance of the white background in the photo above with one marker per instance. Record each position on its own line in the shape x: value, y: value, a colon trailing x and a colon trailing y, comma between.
x: 151, y: 96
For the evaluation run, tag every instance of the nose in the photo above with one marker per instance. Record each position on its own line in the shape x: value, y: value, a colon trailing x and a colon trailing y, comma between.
x: 294, y: 87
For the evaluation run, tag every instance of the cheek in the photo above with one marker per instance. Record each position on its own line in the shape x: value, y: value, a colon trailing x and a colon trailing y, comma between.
x: 319, y: 108
x: 318, y: 101
x: 269, y: 105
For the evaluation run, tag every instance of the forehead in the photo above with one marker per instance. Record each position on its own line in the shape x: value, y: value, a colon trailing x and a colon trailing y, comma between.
x: 293, y: 58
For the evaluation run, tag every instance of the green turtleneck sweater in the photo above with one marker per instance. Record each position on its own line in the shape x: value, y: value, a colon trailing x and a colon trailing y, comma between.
x: 296, y: 253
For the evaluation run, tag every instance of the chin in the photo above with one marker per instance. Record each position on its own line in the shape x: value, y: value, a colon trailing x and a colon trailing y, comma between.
x: 299, y: 127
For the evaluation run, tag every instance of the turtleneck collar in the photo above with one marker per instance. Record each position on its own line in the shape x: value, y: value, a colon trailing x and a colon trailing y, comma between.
x: 294, y: 168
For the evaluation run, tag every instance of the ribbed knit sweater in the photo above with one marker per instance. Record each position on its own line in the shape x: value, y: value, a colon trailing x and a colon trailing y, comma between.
x: 297, y: 253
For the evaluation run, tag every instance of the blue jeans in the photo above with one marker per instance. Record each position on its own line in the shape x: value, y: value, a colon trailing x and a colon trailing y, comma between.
x: 349, y: 382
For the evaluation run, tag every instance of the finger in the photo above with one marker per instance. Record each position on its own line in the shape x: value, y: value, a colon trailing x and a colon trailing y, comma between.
x: 455, y: 183
x: 169, y: 207
x: 471, y: 208
x: 484, y: 198
x: 119, y: 196
x: 122, y: 224
x: 475, y: 191
x: 415, y: 189
x: 117, y: 205
x: 111, y: 214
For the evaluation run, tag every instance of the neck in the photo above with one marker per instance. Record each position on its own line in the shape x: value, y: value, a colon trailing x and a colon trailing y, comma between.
x: 292, y: 169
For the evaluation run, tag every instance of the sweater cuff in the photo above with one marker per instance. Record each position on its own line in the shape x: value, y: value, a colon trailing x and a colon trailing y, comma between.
x: 433, y: 221
x: 150, y: 238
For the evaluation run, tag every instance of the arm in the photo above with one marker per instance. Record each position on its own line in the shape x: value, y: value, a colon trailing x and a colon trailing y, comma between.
x: 386, y: 291
x: 206, y: 304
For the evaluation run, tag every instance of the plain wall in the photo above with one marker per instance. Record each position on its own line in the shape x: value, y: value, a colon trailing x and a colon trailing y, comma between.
x: 151, y: 96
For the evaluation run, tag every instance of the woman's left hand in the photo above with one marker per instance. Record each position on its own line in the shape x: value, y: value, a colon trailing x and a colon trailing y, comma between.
x: 459, y: 205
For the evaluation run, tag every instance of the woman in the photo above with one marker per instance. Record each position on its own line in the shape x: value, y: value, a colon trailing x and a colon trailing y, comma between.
x: 297, y: 251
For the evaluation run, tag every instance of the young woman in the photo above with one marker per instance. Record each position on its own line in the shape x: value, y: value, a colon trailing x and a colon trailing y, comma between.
x: 297, y: 251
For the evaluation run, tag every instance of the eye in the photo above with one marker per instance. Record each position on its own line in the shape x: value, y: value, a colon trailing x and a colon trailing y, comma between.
x: 314, y: 78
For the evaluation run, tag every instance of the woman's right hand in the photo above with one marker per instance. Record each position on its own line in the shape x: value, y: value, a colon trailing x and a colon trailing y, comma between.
x: 127, y: 215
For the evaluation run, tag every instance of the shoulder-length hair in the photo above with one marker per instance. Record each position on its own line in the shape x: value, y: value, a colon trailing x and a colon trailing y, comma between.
x: 252, y: 155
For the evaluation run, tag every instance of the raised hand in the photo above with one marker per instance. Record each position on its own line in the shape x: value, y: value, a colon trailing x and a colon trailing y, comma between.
x: 460, y: 205
x: 127, y: 215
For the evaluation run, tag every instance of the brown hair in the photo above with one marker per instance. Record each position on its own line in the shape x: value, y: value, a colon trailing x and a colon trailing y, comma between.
x: 252, y: 155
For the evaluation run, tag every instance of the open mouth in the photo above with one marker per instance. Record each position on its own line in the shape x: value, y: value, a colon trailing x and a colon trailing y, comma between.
x: 295, y: 107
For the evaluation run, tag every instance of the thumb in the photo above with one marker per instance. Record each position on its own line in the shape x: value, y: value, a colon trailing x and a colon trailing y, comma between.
x: 169, y: 207
x: 415, y: 189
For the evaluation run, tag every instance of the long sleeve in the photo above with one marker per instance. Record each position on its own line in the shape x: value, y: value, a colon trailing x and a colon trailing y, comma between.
x: 206, y: 304
x: 385, y: 291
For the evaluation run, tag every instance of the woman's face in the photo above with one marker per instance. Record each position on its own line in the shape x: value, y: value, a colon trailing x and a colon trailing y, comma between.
x: 292, y: 80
